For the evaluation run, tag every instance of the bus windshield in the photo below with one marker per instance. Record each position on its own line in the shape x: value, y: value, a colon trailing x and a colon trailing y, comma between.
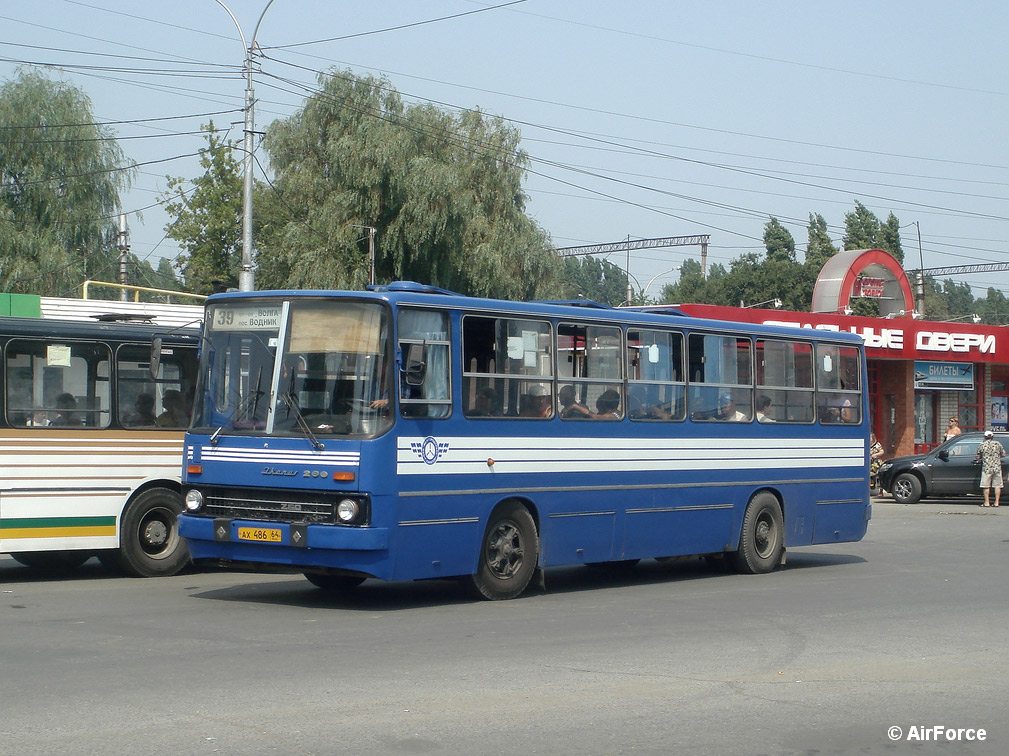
x: 279, y: 368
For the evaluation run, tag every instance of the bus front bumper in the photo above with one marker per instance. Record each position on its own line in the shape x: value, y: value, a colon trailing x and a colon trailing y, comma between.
x: 283, y: 534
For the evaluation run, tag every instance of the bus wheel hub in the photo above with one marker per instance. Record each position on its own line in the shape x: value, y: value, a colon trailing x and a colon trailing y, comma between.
x: 156, y: 533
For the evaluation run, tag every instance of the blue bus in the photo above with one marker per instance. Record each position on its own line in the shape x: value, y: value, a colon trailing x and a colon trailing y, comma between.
x: 408, y: 432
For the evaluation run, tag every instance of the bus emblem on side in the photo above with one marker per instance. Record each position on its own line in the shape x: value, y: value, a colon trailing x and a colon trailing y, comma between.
x: 429, y: 449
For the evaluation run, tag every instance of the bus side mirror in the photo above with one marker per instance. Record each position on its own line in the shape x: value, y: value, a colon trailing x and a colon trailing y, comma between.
x: 415, y: 365
x: 154, y: 367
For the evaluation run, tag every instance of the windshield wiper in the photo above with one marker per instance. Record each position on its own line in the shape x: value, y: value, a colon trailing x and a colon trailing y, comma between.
x: 292, y: 405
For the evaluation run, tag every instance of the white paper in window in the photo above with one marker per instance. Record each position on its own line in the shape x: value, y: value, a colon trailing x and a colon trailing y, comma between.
x: 515, y: 350
x: 57, y: 355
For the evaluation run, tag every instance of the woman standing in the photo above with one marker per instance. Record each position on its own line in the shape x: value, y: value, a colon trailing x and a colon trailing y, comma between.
x: 952, y: 429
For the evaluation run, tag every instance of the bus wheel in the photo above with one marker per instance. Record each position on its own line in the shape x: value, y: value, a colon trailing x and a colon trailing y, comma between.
x: 762, y: 541
x: 52, y: 561
x: 906, y: 489
x: 508, y: 554
x: 149, y: 541
x: 334, y: 582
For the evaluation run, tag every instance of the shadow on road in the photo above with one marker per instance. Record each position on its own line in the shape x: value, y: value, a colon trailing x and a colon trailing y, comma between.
x: 377, y: 595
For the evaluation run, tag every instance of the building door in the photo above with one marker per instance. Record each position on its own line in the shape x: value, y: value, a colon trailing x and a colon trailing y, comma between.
x: 924, y: 421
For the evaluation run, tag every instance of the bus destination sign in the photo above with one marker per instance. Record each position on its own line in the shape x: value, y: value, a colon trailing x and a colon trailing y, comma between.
x: 246, y: 319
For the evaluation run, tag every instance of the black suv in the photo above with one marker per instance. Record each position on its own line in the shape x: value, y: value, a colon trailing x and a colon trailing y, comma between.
x: 950, y: 469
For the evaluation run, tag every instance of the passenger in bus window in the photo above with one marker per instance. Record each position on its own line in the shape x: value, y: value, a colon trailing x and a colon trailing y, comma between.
x: 570, y: 406
x: 727, y: 410
x: 608, y: 406
x: 537, y: 402
x: 65, y: 410
x: 487, y: 403
x: 174, y: 415
x: 763, y: 405
x: 38, y: 419
x: 142, y: 413
x: 838, y: 407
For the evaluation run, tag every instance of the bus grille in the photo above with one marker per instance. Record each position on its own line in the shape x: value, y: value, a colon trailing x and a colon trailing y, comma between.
x: 273, y: 507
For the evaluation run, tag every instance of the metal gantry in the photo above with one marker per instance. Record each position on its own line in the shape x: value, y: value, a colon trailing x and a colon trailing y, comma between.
x: 628, y: 244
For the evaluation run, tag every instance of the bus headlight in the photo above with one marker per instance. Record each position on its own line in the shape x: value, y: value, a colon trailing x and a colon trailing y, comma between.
x: 194, y: 500
x: 347, y: 510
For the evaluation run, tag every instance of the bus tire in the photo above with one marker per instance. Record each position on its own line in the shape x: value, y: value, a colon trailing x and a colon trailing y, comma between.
x: 906, y: 489
x: 52, y: 561
x: 509, y: 552
x: 149, y: 541
x: 762, y: 541
x: 335, y: 583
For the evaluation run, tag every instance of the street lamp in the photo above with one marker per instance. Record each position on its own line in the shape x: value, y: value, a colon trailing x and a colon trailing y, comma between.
x: 644, y: 291
x: 776, y: 302
x: 246, y: 276
x: 973, y: 318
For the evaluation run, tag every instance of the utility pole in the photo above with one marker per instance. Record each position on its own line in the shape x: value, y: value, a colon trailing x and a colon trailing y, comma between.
x: 921, y: 276
x: 246, y: 275
x: 124, y: 255
x: 371, y: 251
x: 627, y: 270
x: 371, y: 254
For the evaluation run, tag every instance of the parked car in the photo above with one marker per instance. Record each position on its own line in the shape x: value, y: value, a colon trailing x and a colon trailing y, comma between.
x: 951, y: 469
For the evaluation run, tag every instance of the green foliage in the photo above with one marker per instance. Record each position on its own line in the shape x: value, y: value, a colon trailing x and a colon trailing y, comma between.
x: 863, y: 230
x: 819, y: 247
x: 60, y: 178
x: 778, y: 241
x: 993, y: 309
x: 594, y: 279
x: 958, y: 298
x: 208, y: 218
x: 443, y: 190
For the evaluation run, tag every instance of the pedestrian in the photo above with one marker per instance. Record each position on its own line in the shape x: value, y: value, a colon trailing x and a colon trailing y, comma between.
x: 990, y: 452
x: 876, y: 454
x: 952, y: 429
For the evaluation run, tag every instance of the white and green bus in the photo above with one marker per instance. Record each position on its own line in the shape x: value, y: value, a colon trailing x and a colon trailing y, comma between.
x: 91, y: 442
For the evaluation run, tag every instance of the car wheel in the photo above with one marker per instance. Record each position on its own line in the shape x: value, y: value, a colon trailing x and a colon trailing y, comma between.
x: 906, y: 489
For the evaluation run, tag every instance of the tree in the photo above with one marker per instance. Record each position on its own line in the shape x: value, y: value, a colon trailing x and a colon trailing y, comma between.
x: 778, y: 241
x: 862, y: 230
x: 959, y: 299
x: 994, y: 309
x: 207, y: 218
x: 694, y: 287
x: 60, y: 178
x: 819, y: 247
x: 889, y: 238
x: 594, y: 279
x: 443, y: 190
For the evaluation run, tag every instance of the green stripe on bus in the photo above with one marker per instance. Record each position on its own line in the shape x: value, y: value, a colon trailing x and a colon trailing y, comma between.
x: 55, y: 522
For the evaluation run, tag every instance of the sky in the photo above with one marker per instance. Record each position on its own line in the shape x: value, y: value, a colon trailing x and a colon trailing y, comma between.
x: 641, y: 118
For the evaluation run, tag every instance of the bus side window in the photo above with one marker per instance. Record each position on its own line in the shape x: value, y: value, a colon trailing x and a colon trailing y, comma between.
x: 433, y: 396
x: 838, y: 393
x: 654, y: 369
x: 165, y: 401
x: 507, y: 367
x: 58, y: 383
x: 720, y: 373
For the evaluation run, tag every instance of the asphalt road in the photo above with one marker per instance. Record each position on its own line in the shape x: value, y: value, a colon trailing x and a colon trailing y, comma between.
x: 905, y: 629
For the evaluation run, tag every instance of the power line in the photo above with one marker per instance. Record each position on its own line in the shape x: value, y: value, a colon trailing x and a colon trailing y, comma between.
x: 394, y: 28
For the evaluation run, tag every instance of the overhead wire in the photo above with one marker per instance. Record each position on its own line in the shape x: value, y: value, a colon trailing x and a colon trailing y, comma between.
x: 604, y: 196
